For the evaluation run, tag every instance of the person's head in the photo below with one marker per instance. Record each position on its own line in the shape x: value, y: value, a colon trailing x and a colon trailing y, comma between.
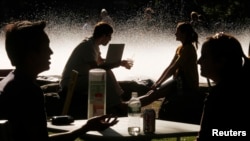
x: 221, y: 57
x: 148, y: 12
x: 104, y: 12
x: 194, y: 16
x: 103, y: 31
x: 27, y: 45
x: 186, y: 33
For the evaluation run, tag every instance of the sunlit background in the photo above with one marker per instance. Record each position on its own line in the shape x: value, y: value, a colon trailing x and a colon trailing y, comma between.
x: 151, y: 47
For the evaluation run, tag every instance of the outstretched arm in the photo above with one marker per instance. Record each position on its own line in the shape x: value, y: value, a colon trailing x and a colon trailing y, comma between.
x: 98, y: 123
x: 168, y: 72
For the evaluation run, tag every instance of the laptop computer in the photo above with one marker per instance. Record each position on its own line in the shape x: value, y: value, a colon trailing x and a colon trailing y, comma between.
x: 114, y: 53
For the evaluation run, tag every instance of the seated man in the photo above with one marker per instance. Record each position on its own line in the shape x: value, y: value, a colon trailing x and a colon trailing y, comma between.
x: 21, y: 98
x: 87, y: 56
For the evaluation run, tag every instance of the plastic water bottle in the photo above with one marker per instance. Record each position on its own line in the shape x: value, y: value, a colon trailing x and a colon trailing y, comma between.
x: 97, y: 93
x: 134, y: 115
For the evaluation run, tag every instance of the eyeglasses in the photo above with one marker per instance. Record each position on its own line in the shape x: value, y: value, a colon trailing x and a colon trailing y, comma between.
x: 218, y: 35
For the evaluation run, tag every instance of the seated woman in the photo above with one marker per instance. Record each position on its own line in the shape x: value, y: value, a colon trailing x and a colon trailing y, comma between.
x: 180, y: 93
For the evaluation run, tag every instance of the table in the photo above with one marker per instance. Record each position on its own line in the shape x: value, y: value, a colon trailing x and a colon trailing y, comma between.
x: 4, y: 131
x: 119, y: 132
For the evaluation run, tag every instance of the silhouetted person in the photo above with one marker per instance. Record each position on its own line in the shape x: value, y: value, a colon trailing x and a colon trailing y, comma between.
x: 226, y: 107
x: 87, y: 56
x: 105, y: 17
x: 198, y: 22
x: 180, y: 92
x: 148, y: 18
x: 21, y: 98
x: 194, y: 16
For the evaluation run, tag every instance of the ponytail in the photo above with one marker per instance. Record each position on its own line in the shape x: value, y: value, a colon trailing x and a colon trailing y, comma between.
x: 195, y: 39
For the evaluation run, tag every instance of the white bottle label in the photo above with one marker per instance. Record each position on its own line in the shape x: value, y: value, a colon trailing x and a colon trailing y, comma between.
x: 97, y: 93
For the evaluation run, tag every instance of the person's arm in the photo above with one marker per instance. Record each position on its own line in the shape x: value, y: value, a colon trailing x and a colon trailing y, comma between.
x: 168, y: 72
x: 124, y: 63
x: 155, y: 93
x: 128, y: 64
x: 102, y: 64
x: 98, y: 123
x: 109, y: 66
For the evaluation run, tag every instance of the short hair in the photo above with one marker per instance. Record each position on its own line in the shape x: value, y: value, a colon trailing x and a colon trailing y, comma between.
x: 102, y: 28
x: 23, y: 37
x: 194, y: 15
x: 104, y: 11
x: 226, y: 47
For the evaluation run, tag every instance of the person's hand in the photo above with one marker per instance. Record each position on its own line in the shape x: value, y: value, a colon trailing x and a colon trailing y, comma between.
x: 100, y: 123
x: 128, y: 64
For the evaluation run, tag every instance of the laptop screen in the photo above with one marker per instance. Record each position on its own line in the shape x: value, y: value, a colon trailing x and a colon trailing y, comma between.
x: 114, y: 53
